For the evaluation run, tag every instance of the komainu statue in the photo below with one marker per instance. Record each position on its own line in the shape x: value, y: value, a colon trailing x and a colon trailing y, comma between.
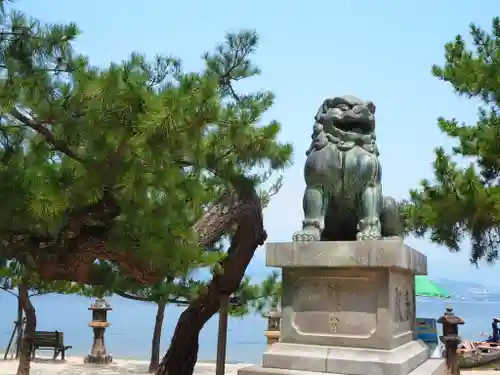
x: 343, y: 200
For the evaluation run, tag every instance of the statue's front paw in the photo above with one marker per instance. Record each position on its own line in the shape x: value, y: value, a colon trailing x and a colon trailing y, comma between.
x: 369, y: 229
x: 368, y: 235
x: 306, y: 235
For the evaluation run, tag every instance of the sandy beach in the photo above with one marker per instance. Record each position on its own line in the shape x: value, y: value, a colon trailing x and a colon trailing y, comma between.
x: 75, y: 366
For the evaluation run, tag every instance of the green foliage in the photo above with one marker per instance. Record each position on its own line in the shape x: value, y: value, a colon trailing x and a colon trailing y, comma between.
x: 249, y: 297
x: 269, y: 292
x: 163, y: 142
x: 12, y: 274
x: 465, y: 202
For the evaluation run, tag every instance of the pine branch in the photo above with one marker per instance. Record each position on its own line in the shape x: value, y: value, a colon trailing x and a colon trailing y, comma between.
x: 134, y: 297
x: 8, y: 291
x: 132, y: 161
x: 46, y: 133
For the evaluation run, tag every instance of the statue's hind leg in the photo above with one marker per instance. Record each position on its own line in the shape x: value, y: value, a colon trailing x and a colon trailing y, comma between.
x: 369, y: 226
x: 392, y: 225
x: 314, y: 204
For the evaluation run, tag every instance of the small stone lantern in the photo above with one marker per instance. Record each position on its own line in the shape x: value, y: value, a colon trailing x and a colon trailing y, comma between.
x: 99, y: 324
x: 273, y: 326
x: 451, y: 339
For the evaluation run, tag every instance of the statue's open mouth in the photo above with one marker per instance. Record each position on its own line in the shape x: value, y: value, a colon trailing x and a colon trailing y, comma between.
x: 348, y: 114
x: 356, y: 119
x: 355, y: 126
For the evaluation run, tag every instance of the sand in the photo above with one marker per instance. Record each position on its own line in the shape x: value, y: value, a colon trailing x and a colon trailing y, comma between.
x: 75, y: 366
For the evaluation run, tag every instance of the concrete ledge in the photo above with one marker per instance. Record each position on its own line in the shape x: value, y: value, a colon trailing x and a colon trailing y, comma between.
x: 429, y: 367
x: 344, y: 360
x: 293, y: 359
x: 297, y: 357
x: 259, y: 370
x: 389, y: 253
x: 401, y: 360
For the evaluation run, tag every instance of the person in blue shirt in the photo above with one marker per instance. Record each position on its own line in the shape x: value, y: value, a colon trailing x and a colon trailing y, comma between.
x: 495, y: 331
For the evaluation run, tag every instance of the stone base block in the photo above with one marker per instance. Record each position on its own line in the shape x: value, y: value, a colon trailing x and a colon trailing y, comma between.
x: 99, y: 360
x: 385, y: 253
x: 429, y: 367
x: 357, y: 294
x: 298, y: 359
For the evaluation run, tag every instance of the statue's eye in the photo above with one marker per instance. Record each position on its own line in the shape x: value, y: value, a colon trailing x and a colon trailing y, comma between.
x: 343, y: 107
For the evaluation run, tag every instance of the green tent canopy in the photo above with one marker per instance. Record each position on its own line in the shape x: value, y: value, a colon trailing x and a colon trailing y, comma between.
x: 424, y: 287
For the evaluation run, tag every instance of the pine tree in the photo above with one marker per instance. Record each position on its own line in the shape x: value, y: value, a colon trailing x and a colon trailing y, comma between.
x: 163, y: 293
x: 160, y: 296
x: 122, y: 164
x: 248, y: 298
x: 464, y: 202
x: 22, y: 284
x: 107, y: 159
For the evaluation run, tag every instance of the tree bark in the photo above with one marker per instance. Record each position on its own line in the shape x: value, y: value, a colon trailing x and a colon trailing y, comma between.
x: 20, y: 316
x: 155, y: 343
x: 71, y: 254
x: 182, y: 354
x: 29, y: 331
x: 220, y: 364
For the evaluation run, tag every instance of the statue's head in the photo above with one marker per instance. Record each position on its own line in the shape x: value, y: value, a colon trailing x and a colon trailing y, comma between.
x: 347, y: 113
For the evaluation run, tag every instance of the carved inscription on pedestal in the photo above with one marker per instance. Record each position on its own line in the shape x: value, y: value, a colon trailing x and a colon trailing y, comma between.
x: 403, y: 306
x: 403, y: 303
x: 334, y: 320
x: 336, y: 306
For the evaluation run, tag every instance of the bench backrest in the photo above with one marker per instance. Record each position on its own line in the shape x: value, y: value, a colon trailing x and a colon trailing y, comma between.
x: 48, y: 339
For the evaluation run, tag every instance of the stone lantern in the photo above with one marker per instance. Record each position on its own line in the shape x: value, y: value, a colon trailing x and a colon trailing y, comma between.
x: 273, y: 326
x: 99, y: 324
x: 451, y: 339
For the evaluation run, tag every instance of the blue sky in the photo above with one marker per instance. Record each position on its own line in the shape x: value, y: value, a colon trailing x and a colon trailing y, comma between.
x: 379, y: 50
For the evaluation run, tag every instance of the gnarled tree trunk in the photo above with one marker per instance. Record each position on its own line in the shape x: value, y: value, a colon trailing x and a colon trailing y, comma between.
x: 155, y: 342
x: 246, y: 213
x: 29, y: 331
x: 20, y: 323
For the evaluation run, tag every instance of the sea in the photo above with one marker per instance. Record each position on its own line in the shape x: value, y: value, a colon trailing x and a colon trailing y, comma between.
x: 130, y: 334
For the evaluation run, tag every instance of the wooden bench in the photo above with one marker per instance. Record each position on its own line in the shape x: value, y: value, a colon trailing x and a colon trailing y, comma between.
x: 47, y: 340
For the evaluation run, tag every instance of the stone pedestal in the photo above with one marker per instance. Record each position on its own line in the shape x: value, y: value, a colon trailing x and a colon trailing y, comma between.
x: 348, y: 308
